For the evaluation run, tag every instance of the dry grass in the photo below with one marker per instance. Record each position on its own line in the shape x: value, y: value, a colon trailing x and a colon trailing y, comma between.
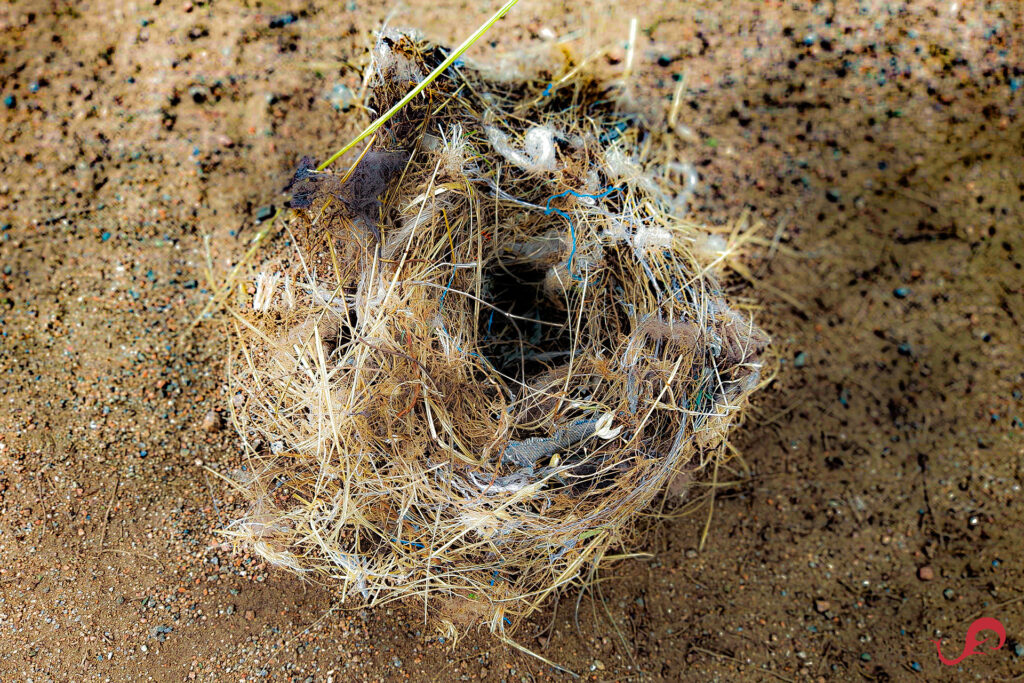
x: 498, y: 341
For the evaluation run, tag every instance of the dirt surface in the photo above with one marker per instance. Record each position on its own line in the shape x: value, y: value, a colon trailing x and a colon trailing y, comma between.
x: 880, y: 145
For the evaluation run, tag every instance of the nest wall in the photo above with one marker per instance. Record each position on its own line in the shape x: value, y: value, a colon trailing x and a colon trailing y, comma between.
x: 498, y: 343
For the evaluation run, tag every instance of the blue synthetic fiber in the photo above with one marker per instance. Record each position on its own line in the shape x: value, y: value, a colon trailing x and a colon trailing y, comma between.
x: 548, y: 209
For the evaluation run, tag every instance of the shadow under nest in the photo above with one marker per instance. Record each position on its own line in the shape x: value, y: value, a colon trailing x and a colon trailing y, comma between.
x: 499, y: 344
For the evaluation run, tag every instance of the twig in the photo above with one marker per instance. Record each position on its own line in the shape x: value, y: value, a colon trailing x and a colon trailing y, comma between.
x: 106, y: 516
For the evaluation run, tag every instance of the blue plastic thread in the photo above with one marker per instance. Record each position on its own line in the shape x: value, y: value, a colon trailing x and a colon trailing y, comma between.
x: 548, y: 210
x: 490, y: 320
x: 440, y: 304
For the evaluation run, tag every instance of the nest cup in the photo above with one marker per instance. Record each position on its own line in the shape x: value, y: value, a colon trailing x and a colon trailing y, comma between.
x: 498, y: 344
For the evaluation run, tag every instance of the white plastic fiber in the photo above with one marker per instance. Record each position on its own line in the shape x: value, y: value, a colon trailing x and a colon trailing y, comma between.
x: 538, y: 153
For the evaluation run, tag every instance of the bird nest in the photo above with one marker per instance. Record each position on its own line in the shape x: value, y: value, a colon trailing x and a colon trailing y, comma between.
x: 498, y: 343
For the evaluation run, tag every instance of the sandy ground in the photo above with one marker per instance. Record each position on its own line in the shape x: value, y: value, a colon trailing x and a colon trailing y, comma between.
x: 879, y: 144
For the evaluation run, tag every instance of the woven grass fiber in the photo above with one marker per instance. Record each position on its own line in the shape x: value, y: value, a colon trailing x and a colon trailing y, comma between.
x: 496, y: 340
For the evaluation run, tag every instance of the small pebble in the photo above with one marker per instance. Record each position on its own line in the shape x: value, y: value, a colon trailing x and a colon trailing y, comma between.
x: 865, y: 657
x: 926, y: 573
x: 822, y: 606
x: 1018, y: 650
x: 948, y: 594
x: 800, y: 360
x: 341, y: 97
x: 901, y: 292
x: 212, y: 421
x: 263, y: 213
x: 283, y: 20
x: 10, y: 101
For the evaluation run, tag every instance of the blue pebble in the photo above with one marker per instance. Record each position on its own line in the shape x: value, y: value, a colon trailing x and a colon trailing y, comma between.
x: 800, y: 360
x: 1018, y: 650
x: 106, y: 236
x: 901, y: 292
x: 916, y: 666
x: 10, y: 101
x: 283, y: 20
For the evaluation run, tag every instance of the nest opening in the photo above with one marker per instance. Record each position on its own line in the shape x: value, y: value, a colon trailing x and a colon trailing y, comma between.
x: 534, y: 335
